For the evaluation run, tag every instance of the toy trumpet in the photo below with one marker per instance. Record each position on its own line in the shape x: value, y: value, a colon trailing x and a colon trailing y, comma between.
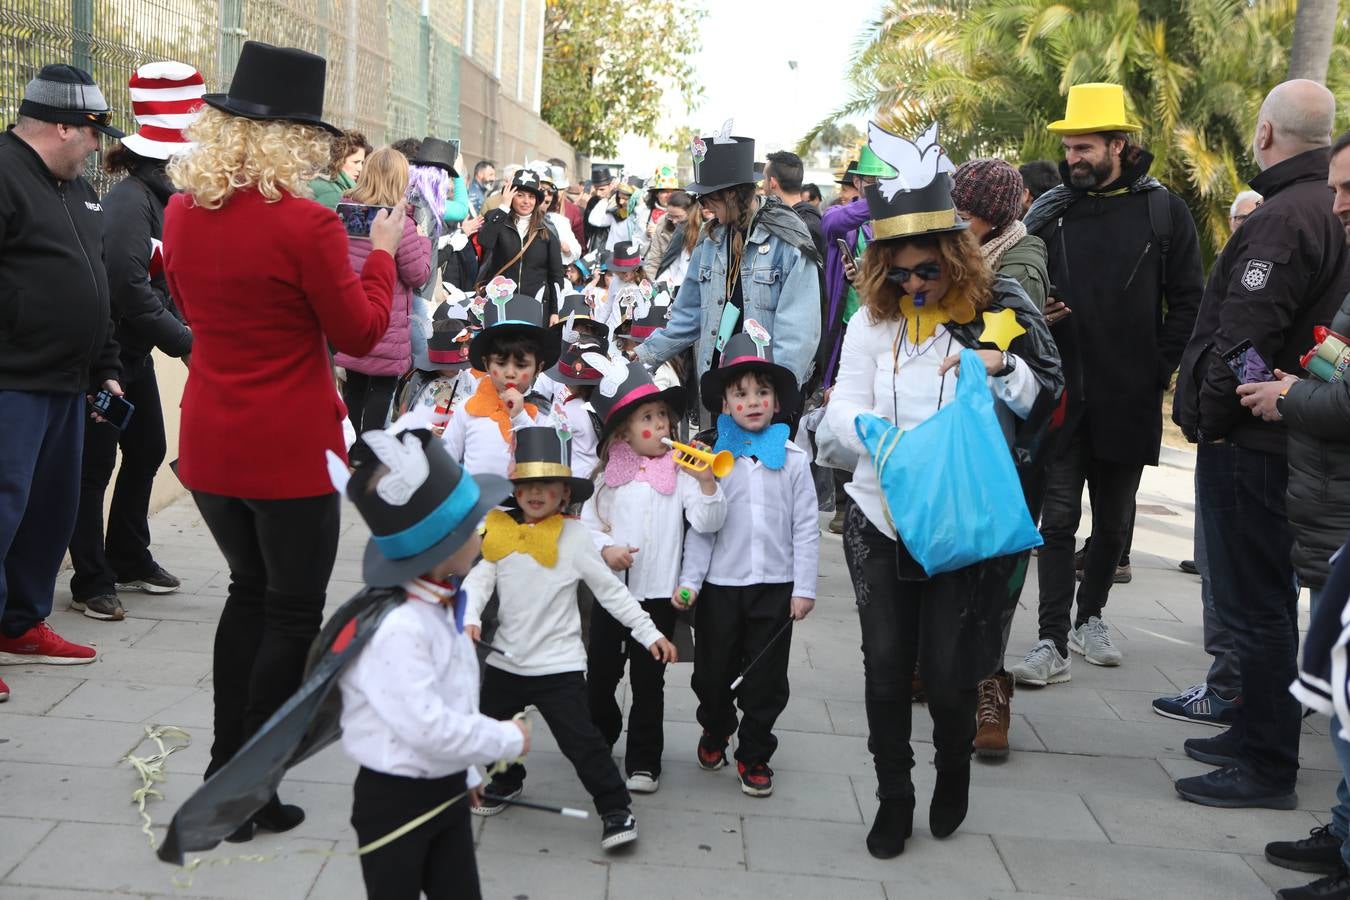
x: 696, y: 460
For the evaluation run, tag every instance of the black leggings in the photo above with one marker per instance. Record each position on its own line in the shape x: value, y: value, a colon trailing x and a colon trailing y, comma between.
x: 435, y: 858
x: 369, y: 399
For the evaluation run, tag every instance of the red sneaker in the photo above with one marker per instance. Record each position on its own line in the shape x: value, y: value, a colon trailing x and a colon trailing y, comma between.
x: 712, y: 754
x: 756, y: 780
x: 40, y: 644
x: 4, y: 691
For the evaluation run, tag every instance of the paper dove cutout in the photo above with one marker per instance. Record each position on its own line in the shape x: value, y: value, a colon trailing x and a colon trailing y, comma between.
x: 569, y: 331
x: 337, y: 472
x: 916, y: 163
x: 407, y: 462
x: 613, y: 373
x: 724, y: 135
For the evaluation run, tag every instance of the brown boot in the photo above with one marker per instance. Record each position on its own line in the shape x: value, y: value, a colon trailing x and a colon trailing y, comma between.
x: 993, y: 716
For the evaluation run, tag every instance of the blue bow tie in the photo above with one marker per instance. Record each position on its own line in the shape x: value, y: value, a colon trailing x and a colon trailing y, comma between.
x: 768, y: 446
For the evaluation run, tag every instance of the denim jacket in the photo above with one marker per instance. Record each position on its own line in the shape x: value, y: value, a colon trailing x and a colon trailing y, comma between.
x: 781, y: 290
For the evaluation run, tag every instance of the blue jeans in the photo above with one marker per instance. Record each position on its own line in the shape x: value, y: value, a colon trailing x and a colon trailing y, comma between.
x: 1223, y: 672
x: 1241, y: 494
x: 43, y: 438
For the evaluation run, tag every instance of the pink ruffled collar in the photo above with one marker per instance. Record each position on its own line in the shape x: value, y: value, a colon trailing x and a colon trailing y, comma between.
x: 626, y: 465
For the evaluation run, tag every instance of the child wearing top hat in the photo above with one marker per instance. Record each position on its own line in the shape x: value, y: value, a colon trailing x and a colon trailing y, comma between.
x: 649, y: 313
x: 410, y: 700
x: 624, y: 288
x: 513, y: 347
x: 759, y: 570
x: 451, y: 378
x: 578, y: 379
x: 535, y: 558
x: 638, y: 519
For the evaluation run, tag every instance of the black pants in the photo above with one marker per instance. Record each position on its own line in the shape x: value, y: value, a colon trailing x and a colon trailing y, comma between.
x: 731, y: 626
x: 435, y: 858
x: 1248, y: 540
x: 369, y: 399
x: 935, y: 622
x: 280, y: 554
x: 124, y: 555
x: 609, y: 646
x: 561, y: 700
x: 1112, y: 515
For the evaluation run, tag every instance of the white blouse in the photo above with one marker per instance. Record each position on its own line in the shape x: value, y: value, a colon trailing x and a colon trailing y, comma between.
x: 900, y: 383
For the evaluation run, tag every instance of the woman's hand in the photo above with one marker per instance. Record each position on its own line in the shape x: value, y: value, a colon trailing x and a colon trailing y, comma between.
x: 386, y: 232
x: 508, y: 195
x: 992, y: 359
x: 470, y: 227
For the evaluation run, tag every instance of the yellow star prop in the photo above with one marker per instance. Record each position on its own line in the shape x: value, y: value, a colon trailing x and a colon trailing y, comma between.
x: 1001, y: 329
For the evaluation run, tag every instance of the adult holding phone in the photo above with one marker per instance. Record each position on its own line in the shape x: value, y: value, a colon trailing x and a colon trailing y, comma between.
x: 261, y: 274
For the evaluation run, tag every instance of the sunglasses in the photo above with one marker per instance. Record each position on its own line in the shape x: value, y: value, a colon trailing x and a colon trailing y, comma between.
x: 104, y: 118
x: 899, y: 275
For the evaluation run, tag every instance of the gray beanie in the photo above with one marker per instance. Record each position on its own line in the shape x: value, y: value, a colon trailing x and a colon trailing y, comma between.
x: 66, y: 94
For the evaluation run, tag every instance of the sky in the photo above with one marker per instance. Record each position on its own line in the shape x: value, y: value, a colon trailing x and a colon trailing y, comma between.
x: 743, y: 66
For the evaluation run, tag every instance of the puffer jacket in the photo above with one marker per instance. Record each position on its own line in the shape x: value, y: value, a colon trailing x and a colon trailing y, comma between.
x: 393, y: 354
x: 1317, y: 415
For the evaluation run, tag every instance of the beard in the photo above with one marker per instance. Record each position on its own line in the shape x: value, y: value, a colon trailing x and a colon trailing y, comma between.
x: 1086, y: 175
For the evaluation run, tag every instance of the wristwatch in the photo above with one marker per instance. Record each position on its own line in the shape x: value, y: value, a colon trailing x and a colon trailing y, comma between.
x: 1009, y: 365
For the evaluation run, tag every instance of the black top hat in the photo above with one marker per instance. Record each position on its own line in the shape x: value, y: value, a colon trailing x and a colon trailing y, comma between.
x: 847, y: 176
x: 448, y: 345
x: 718, y: 166
x: 623, y: 388
x: 276, y: 83
x: 571, y: 368
x: 928, y: 210
x: 576, y: 310
x: 423, y: 508
x: 438, y: 153
x: 544, y: 453
x: 744, y: 353
x: 507, y: 314
x: 528, y: 180
x: 626, y: 257
x: 649, y: 313
x: 601, y: 175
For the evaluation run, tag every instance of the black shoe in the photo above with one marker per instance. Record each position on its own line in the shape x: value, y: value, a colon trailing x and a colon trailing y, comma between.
x: 1220, y: 750
x: 1189, y: 567
x: 1233, y: 788
x: 278, y: 817
x: 1319, y: 852
x: 619, y: 828
x: 951, y: 798
x: 104, y: 607
x: 157, y: 581
x: 1334, y: 887
x: 893, y: 825
x: 495, y: 798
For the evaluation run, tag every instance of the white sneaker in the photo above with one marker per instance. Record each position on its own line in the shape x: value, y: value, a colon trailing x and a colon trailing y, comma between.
x: 642, y: 783
x: 1093, y: 640
x: 1041, y: 666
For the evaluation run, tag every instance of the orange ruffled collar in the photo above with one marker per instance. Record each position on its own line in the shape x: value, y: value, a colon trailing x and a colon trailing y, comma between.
x: 486, y: 402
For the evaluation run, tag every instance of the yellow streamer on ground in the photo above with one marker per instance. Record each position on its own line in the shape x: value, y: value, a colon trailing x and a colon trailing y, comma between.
x: 151, y: 770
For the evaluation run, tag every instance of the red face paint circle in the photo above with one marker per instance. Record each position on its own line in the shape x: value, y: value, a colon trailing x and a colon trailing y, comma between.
x: 646, y: 434
x: 740, y: 407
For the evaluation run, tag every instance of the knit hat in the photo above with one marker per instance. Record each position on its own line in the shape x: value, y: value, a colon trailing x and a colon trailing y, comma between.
x: 989, y: 188
x: 69, y: 96
x: 165, y: 98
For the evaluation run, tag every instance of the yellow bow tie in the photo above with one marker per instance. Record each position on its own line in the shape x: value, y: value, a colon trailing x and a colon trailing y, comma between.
x: 506, y: 536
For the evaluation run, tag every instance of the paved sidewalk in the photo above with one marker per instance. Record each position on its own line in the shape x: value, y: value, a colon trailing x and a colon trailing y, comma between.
x: 1084, y: 807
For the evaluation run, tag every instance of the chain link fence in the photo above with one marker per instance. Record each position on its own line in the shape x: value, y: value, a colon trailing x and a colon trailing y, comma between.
x: 392, y: 72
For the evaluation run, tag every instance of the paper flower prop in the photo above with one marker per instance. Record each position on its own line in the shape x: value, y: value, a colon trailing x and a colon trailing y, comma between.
x: 759, y: 334
x: 476, y: 306
x: 1001, y: 329
x: 698, y: 150
x: 916, y: 163
x: 562, y: 428
x: 500, y: 289
x: 613, y: 372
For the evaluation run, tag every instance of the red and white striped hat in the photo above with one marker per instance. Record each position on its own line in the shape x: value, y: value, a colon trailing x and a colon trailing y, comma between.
x: 165, y: 98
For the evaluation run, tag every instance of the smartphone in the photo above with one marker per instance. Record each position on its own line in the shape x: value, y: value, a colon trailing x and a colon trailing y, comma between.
x: 116, y: 410
x: 1247, y: 365
x: 357, y: 217
x: 843, y: 247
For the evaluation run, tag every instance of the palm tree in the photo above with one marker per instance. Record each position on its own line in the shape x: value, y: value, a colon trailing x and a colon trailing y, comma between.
x: 996, y: 72
x: 1314, y: 28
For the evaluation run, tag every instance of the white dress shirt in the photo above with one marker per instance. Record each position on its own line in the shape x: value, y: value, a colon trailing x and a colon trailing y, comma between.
x: 772, y: 531
x: 585, y: 442
x: 410, y: 700
x: 637, y: 515
x: 476, y: 441
x: 539, y: 623
x: 903, y: 388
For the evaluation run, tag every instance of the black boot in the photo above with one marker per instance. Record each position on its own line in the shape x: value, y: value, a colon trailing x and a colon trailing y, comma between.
x: 894, y: 823
x: 277, y: 816
x: 951, y: 798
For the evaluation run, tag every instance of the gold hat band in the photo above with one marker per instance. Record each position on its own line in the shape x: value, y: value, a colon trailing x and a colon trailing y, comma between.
x: 540, y: 470
x: 914, y: 223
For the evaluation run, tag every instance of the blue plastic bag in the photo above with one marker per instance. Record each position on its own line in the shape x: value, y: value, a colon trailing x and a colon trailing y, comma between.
x: 949, y: 484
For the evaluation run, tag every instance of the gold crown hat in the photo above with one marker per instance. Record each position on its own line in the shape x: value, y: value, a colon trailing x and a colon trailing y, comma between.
x: 1092, y: 108
x: 917, y: 197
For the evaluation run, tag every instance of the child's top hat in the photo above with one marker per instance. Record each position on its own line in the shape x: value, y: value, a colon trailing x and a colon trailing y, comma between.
x: 421, y: 510
x: 649, y: 312
x: 576, y: 308
x: 276, y: 83
x: 544, y: 453
x: 917, y: 199
x: 572, y: 368
x: 448, y: 345
x: 747, y: 351
x: 626, y: 257
x: 508, y: 314
x: 623, y: 387
x: 721, y: 161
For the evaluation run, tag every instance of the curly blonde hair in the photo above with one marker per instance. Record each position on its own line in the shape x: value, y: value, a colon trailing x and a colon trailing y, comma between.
x: 234, y: 153
x: 960, y: 258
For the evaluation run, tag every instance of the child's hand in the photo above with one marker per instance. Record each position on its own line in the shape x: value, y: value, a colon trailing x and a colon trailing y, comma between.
x: 664, y: 651
x: 801, y: 607
x: 475, y: 797
x: 473, y: 631
x: 524, y: 726
x: 704, y: 476
x: 683, y: 598
x: 618, y: 558
x: 514, y: 400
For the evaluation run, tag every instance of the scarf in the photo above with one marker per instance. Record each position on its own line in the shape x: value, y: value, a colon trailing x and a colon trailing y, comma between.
x: 993, y: 251
x: 768, y: 446
x: 626, y: 465
x: 504, y: 536
x: 486, y: 402
x: 921, y: 322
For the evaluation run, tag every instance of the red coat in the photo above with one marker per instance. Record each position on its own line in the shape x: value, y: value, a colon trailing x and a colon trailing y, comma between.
x: 265, y: 288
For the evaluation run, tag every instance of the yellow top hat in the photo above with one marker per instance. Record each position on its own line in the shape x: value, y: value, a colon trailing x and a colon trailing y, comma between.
x: 1093, y: 108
